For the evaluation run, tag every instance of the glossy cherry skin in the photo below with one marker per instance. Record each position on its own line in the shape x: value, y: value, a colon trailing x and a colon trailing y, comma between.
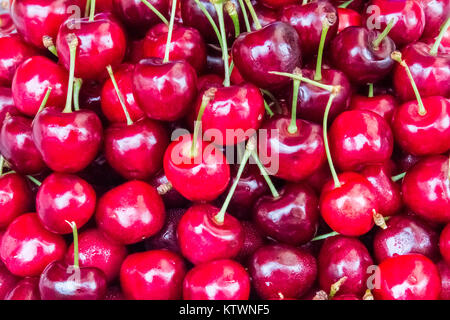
x: 348, y: 18
x: 354, y: 54
x: 384, y: 105
x: 110, y: 102
x: 444, y: 271
x: 265, y: 16
x: 282, y: 269
x: 165, y: 91
x: 275, y: 47
x: 137, y: 16
x: 293, y: 218
x: 166, y: 238
x: 35, y: 18
x: 15, y: 198
x: 405, y: 235
x: 208, y: 81
x: 64, y: 197
x: 200, y: 178
x: 26, y: 289
x: 436, y: 11
x: 203, y: 239
x: 136, y: 151
x: 348, y: 209
x: 217, y: 280
x: 7, y: 104
x: 426, y: 189
x: 409, y: 19
x: 387, y: 191
x: 7, y: 281
x: 6, y: 24
x: 14, y: 52
x: 408, y: 277
x: 430, y: 73
x: 31, y: 81
x: 292, y: 156
x: 344, y: 257
x: 253, y: 240
x: 172, y: 198
x: 27, y: 247
x: 130, y: 212
x: 276, y: 4
x: 62, y: 281
x: 153, y: 275
x: 59, y: 136
x: 423, y: 134
x: 444, y: 243
x: 234, y: 110
x: 308, y: 21
x: 187, y: 44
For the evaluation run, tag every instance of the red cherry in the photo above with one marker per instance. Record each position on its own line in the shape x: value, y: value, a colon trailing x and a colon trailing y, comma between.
x: 26, y: 289
x: 217, y: 280
x: 137, y: 16
x: 444, y: 243
x: 15, y: 198
x: 152, y: 275
x: 408, y: 277
x: 172, y: 198
x: 444, y: 271
x: 348, y: 18
x: 436, y: 11
x: 6, y: 24
x: 7, y: 104
x: 167, y: 238
x: 7, y: 281
x: 27, y: 247
x: 253, y: 240
x: 208, y: 81
x: 384, y: 105
x: 277, y: 3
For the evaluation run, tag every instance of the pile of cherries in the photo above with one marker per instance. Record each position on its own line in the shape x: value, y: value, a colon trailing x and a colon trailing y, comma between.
x: 118, y: 117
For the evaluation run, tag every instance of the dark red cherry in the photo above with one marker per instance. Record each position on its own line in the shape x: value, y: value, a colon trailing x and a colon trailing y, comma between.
x: 67, y: 141
x: 200, y: 178
x: 101, y: 42
x: 202, y: 238
x: 114, y: 293
x: 444, y: 243
x: 344, y: 257
x: 217, y: 280
x: 166, y: 238
x: 265, y: 15
x: 15, y: 198
x: 282, y: 270
x: 164, y: 91
x: 436, y: 11
x: 64, y: 197
x: 32, y: 80
x: 292, y: 218
x: 14, y: 52
x: 26, y: 289
x: 187, y: 44
x: 137, y: 16
x: 172, y: 198
x: 253, y: 240
x: 276, y: 4
x: 408, y: 277
x: 27, y: 247
x: 208, y: 81
x: 275, y: 47
x: 384, y: 105
x: 444, y: 271
x: 426, y: 189
x: 18, y: 147
x: 7, y: 281
x: 152, y: 275
x: 130, y: 212
x: 36, y: 18
x: 348, y: 18
x: 405, y: 235
x: 7, y: 104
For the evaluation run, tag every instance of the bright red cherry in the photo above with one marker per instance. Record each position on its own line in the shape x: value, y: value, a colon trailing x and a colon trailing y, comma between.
x: 348, y: 18
x: 444, y: 243
x: 7, y: 104
x: 15, y: 198
x: 217, y: 280
x: 384, y: 105
x: 26, y: 289
x: 436, y: 11
x: 153, y: 275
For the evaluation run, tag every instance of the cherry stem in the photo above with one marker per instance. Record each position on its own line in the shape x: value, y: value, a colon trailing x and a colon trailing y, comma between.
x: 304, y: 2
x: 76, y: 259
x: 398, y: 177
x: 162, y: 189
x: 370, y: 90
x: 86, y: 9
x: 301, y: 78
x: 268, y: 110
x: 244, y: 13
x: 47, y: 41
x: 345, y: 4
x: 337, y: 183
x: 379, y: 219
x: 253, y: 14
x: 435, y: 47
x: 368, y: 295
x: 78, y: 82
x: 230, y: 8
x: 336, y: 286
x: 34, y: 180
x: 324, y: 236
x: 397, y: 56
x: 169, y: 33
x: 293, y: 125
x: 382, y: 35
x: 207, y: 97
x: 2, y: 163
x: 119, y: 95
x: 44, y: 101
x: 218, y: 5
x: 330, y: 19
x: 263, y: 171
x: 72, y: 40
x: 272, y: 97
x: 92, y: 10
x: 155, y: 11
x: 211, y: 21
x: 251, y: 146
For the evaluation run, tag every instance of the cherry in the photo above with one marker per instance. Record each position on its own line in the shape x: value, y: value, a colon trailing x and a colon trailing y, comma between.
x: 137, y: 16
x: 292, y: 218
x: 444, y: 243
x: 201, y: 175
x: 15, y: 197
x: 95, y: 250
x: 348, y: 18
x: 358, y: 138
x: 166, y: 238
x: 27, y: 247
x: 276, y: 4
x: 130, y: 212
x: 408, y: 277
x: 274, y: 47
x: 14, y: 52
x: 265, y: 16
x: 7, y: 104
x: 7, y: 281
x: 6, y: 24
x: 204, y: 235
x: 405, y: 235
x: 31, y: 81
x: 444, y: 271
x: 384, y: 105
x: 152, y: 275
x: 26, y: 289
x: 253, y: 240
x: 208, y: 81
x: 282, y: 270
x: 217, y: 280
x: 35, y: 19
x: 172, y: 198
x: 436, y: 12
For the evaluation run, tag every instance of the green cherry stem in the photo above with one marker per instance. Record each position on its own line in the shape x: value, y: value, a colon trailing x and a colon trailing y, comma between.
x: 397, y: 56
x: 218, y: 5
x: 253, y: 14
x: 329, y: 20
x: 382, y: 35
x: 324, y: 236
x: 34, y: 180
x: 155, y: 11
x: 304, y: 2
x: 76, y: 261
x: 299, y: 77
x: 333, y: 94
x: 92, y: 10
x: 207, y: 97
x: 47, y: 41
x: 211, y: 21
x: 244, y: 13
x: 230, y: 8
x: 44, y: 101
x: 398, y: 177
x: 2, y: 164
x: 72, y: 40
x: 435, y: 47
x: 370, y: 95
x: 293, y: 125
x: 119, y: 95
x: 263, y: 171
x: 78, y: 82
x: 86, y: 8
x: 268, y: 110
x: 345, y: 4
x: 335, y: 287
x: 169, y: 33
x: 272, y: 98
